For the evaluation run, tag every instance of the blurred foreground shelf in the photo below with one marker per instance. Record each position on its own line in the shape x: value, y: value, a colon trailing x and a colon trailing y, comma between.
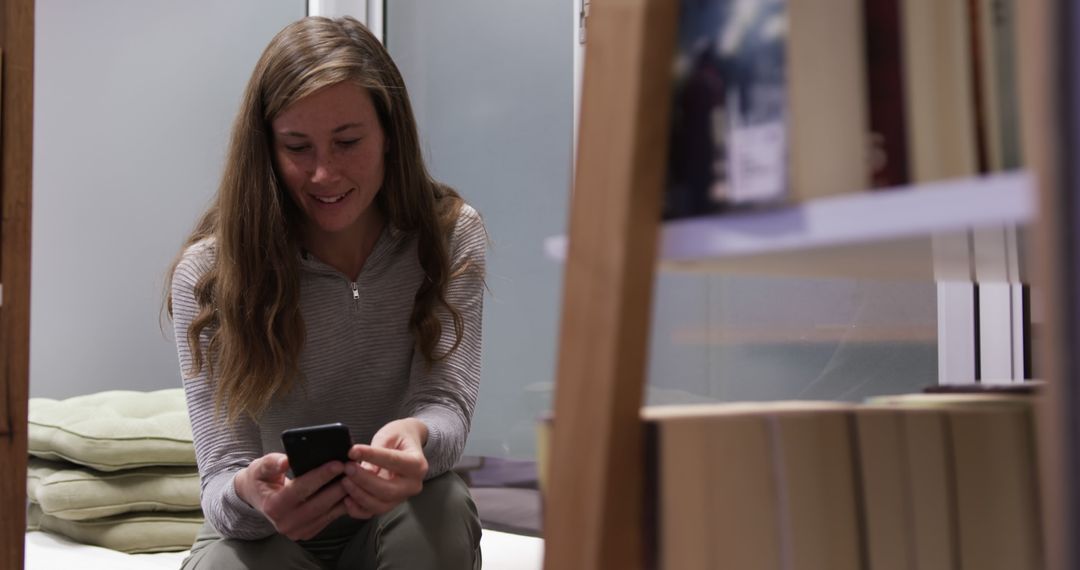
x: 897, y: 233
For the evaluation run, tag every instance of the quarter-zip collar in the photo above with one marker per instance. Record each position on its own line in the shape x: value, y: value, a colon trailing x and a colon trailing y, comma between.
x: 388, y: 237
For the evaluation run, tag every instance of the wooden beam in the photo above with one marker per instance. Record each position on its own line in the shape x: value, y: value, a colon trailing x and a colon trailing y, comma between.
x: 1046, y: 126
x: 593, y: 513
x: 16, y: 148
x: 13, y: 511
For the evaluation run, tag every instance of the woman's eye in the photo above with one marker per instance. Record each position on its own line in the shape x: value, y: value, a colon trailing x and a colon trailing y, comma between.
x: 348, y: 143
x: 297, y: 148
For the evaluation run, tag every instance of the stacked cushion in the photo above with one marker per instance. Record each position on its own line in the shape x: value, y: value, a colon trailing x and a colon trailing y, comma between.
x: 74, y: 492
x: 118, y: 429
x: 135, y: 533
x: 114, y: 469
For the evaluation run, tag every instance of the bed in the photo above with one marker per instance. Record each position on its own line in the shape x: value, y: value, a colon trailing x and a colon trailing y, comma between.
x: 117, y: 470
x: 47, y: 551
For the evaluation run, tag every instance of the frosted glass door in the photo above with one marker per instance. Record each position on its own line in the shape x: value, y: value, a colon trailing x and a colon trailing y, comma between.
x: 491, y: 84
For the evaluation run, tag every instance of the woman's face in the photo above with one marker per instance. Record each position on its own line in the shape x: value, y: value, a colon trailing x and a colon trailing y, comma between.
x: 329, y: 150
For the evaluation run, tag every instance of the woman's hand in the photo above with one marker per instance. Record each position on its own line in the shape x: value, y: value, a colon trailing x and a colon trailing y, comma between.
x: 298, y: 508
x: 387, y: 472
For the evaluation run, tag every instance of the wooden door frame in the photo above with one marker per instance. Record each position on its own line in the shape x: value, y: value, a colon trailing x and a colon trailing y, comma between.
x: 16, y: 161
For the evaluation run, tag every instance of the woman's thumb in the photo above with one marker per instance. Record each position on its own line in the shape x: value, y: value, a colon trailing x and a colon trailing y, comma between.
x: 272, y: 466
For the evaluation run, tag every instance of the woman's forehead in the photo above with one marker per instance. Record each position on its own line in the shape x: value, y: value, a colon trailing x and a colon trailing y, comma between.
x: 330, y: 109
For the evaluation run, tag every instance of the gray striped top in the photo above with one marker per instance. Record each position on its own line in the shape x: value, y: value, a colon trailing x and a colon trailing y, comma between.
x: 358, y: 365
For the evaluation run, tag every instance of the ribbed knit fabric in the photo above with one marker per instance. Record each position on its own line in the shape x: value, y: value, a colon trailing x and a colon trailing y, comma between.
x: 359, y: 366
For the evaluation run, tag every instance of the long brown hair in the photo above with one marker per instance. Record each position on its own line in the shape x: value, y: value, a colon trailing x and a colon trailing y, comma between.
x: 249, y: 299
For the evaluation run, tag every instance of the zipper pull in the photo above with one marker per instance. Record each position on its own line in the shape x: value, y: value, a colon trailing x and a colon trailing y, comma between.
x: 355, y: 291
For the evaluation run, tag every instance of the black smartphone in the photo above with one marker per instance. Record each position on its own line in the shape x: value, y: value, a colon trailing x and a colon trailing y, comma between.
x: 312, y: 446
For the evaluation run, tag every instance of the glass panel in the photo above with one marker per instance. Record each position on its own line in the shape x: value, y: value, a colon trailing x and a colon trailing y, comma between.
x: 491, y: 86
x: 734, y: 338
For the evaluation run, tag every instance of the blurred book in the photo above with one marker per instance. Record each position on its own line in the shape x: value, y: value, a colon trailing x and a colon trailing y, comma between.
x: 1029, y: 387
x: 902, y: 482
x: 765, y: 486
x: 828, y: 119
x: 885, y: 91
x: 757, y: 118
x: 938, y: 84
x: 992, y: 473
x: 993, y: 46
x: 777, y: 101
x: 906, y: 493
x: 728, y: 116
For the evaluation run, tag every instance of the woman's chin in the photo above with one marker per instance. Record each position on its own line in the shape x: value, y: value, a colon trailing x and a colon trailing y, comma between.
x: 334, y: 227
x: 349, y: 217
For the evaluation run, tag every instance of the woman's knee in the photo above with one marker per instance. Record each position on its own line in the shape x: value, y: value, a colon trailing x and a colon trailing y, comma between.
x: 446, y: 496
x: 440, y: 526
x: 269, y: 553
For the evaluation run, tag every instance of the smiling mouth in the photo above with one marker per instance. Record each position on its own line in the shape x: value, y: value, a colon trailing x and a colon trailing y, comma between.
x: 331, y: 199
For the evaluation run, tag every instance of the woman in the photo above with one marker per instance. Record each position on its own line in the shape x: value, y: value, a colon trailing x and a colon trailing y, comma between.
x: 332, y: 280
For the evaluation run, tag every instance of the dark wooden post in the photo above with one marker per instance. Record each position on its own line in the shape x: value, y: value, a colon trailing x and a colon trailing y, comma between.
x: 16, y: 148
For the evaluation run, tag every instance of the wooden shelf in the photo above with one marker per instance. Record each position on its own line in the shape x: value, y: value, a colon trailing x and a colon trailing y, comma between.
x: 895, y: 233
x: 821, y: 334
x: 593, y: 517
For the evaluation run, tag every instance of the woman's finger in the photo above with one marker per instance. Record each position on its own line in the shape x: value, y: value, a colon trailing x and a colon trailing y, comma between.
x: 270, y: 467
x: 366, y: 500
x: 393, y: 489
x: 320, y: 502
x: 355, y: 510
x: 294, y: 506
x: 403, y: 463
x: 313, y: 527
x: 306, y: 485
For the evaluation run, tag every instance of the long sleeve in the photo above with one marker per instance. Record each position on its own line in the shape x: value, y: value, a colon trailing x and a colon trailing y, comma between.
x: 444, y: 395
x: 221, y: 449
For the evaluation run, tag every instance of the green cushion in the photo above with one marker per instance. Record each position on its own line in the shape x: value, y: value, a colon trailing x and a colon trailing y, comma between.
x: 119, y: 429
x: 72, y: 492
x: 132, y: 533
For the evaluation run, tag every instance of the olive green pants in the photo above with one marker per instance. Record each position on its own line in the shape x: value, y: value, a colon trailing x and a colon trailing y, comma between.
x: 439, y: 528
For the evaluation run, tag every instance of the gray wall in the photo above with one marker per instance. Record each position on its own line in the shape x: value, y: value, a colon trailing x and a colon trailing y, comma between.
x: 132, y: 109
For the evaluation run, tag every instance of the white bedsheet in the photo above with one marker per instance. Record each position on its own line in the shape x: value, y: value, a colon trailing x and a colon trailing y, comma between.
x: 46, y: 551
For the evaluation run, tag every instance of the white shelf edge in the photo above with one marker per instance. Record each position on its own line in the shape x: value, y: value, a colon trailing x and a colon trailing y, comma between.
x: 849, y: 219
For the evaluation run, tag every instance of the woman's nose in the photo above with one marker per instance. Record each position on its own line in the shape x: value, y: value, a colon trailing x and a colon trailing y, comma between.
x: 325, y: 171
